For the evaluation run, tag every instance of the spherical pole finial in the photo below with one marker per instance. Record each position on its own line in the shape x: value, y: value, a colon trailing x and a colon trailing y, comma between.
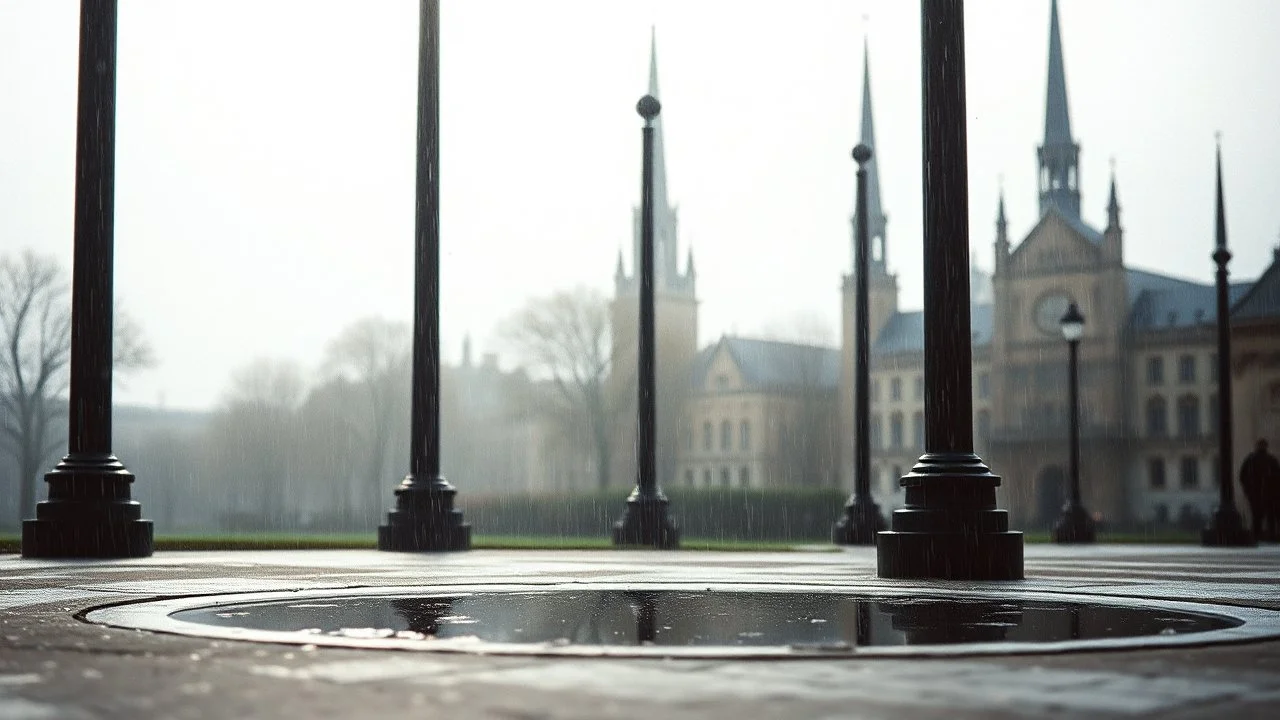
x: 648, y: 107
x: 862, y: 154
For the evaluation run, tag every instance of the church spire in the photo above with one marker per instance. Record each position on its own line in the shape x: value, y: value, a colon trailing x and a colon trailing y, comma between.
x: 1113, y: 204
x: 875, y: 213
x: 661, y: 202
x: 1002, y: 237
x: 1002, y: 223
x: 667, y: 276
x: 1059, y: 156
x: 1057, y: 119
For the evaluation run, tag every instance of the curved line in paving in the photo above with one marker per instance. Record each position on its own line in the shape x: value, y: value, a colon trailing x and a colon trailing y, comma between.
x: 1254, y: 624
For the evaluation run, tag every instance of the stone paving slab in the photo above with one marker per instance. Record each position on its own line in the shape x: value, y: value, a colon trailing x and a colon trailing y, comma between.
x: 55, y: 666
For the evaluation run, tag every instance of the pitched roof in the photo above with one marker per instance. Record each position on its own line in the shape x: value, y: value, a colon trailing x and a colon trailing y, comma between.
x: 1161, y: 302
x: 1263, y: 299
x: 904, y: 332
x: 773, y: 365
x: 1085, y: 229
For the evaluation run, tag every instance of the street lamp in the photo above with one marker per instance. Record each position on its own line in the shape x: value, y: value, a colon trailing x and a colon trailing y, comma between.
x: 425, y: 518
x: 1226, y: 527
x: 862, y: 518
x: 90, y: 511
x: 1075, y: 525
x: 950, y: 527
x: 645, y: 521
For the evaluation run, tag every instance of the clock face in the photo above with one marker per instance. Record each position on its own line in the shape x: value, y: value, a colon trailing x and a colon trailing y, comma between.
x: 1049, y: 311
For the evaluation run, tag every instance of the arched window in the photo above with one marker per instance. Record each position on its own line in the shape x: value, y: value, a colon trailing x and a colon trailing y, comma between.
x: 877, y: 433
x: 744, y: 434
x: 917, y: 429
x: 706, y: 436
x: 744, y: 476
x: 724, y: 477
x: 895, y: 430
x: 1188, y: 416
x: 726, y: 436
x: 1157, y: 417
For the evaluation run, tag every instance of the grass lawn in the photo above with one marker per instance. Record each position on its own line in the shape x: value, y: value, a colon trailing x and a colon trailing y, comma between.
x: 9, y: 543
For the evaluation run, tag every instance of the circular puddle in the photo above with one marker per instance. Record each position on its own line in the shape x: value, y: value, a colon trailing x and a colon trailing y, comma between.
x: 764, y: 620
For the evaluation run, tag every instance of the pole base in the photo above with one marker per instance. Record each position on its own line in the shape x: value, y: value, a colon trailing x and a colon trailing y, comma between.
x: 949, y: 556
x: 70, y: 539
x: 1227, y: 529
x: 424, y: 519
x: 89, y: 513
x: 646, y: 522
x: 950, y: 527
x: 1074, y: 527
x: 861, y: 522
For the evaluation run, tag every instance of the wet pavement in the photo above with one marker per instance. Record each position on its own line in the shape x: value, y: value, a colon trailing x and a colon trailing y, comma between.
x: 53, y: 664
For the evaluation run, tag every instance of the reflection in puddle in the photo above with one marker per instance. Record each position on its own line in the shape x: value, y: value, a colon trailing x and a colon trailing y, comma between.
x: 745, y: 619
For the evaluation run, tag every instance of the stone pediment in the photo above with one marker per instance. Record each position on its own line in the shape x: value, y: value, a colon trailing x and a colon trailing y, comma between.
x: 1053, y: 245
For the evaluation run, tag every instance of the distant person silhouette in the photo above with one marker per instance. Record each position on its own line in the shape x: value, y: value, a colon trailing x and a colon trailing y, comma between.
x: 1260, y: 478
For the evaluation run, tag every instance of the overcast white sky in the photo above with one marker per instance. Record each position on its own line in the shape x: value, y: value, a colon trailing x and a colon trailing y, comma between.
x: 265, y: 159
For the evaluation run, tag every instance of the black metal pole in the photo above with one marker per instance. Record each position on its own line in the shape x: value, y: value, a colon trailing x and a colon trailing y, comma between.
x: 424, y: 517
x: 1075, y: 525
x: 1226, y: 527
x: 1073, y: 383
x: 645, y: 521
x: 862, y: 518
x: 90, y: 512
x: 647, y: 422
x: 950, y: 527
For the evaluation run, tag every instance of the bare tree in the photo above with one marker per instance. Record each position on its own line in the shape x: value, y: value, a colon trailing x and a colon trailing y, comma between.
x: 35, y: 331
x: 565, y: 339
x: 374, y: 355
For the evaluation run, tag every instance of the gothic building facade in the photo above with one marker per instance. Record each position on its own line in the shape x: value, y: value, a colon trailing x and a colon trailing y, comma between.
x: 1147, y: 359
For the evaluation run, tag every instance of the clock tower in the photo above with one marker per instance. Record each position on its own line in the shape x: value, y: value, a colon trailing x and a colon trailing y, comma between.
x: 1061, y: 260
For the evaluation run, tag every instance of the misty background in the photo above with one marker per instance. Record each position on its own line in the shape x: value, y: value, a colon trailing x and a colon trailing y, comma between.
x: 265, y: 158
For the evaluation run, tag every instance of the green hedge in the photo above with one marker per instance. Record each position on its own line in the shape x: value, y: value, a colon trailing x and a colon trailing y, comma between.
x: 781, y: 515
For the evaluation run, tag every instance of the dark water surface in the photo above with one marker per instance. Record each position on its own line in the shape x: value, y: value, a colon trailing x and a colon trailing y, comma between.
x: 677, y: 618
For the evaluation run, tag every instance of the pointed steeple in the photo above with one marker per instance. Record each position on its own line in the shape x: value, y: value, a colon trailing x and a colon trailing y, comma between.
x: 660, y: 199
x: 1002, y: 236
x: 1002, y: 222
x: 1220, y: 230
x: 1113, y: 204
x: 1059, y: 155
x: 876, y: 218
x: 688, y: 264
x: 1057, y: 120
x: 667, y: 277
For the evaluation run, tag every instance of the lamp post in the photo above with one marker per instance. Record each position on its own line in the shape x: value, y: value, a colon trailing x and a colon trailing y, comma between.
x: 1226, y: 528
x: 645, y: 520
x: 950, y: 527
x: 1075, y: 525
x: 862, y: 518
x: 424, y: 517
x: 90, y: 512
